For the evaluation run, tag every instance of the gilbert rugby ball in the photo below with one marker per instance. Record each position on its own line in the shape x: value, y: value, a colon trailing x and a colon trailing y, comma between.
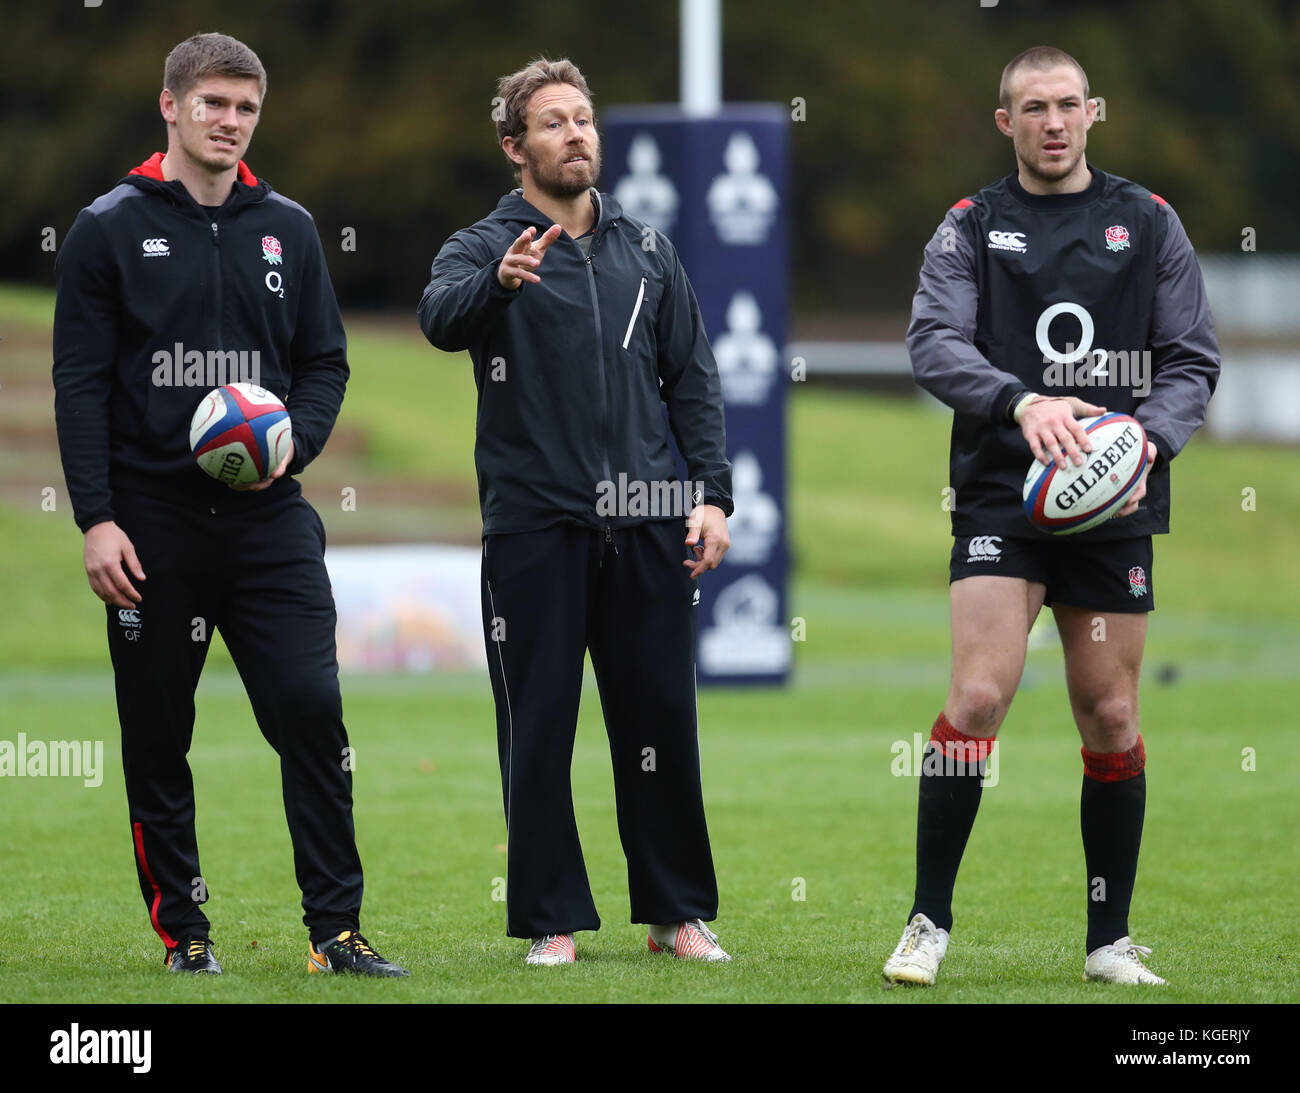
x: 240, y: 433
x: 1079, y: 498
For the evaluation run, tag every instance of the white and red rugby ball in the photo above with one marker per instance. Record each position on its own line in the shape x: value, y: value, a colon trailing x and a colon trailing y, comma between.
x: 240, y: 433
x: 1079, y: 498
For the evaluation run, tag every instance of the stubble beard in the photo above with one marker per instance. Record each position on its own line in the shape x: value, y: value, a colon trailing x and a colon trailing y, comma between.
x: 206, y: 156
x: 555, y: 184
x: 1046, y: 171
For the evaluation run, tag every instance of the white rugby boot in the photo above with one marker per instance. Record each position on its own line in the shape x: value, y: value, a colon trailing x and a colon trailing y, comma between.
x: 690, y: 940
x: 1120, y: 962
x: 919, y: 953
x: 552, y: 949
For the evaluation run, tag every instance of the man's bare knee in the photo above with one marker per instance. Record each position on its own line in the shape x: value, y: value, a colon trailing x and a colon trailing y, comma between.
x: 978, y: 707
x: 1111, y: 720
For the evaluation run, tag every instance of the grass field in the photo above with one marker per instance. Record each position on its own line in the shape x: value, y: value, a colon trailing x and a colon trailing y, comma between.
x: 799, y: 784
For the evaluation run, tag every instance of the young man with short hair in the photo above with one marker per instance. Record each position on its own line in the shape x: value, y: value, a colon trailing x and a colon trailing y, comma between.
x: 1021, y: 287
x: 191, y: 256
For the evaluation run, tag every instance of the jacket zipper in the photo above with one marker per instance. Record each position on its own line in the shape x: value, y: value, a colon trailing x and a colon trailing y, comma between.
x: 640, y: 295
x: 600, y: 371
x: 216, y: 258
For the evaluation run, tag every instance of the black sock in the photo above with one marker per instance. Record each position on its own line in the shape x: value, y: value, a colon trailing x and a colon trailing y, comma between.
x: 1110, y: 815
x: 949, y: 799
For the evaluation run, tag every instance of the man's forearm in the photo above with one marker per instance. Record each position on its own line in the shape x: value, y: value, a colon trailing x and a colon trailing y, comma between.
x: 460, y: 301
x: 947, y: 365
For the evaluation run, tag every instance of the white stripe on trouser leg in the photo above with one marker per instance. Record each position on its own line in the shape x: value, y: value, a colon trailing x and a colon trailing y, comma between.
x: 510, y: 720
x: 699, y: 758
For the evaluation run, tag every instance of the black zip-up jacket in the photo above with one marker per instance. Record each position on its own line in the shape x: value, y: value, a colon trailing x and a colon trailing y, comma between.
x: 1096, y: 294
x: 145, y: 269
x: 573, y: 372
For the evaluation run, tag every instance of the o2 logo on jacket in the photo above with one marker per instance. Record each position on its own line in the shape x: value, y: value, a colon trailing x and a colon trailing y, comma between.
x: 1080, y: 365
x: 1072, y: 352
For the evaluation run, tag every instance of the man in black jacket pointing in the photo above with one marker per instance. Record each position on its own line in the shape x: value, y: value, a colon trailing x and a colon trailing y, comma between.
x: 582, y: 328
x: 189, y: 265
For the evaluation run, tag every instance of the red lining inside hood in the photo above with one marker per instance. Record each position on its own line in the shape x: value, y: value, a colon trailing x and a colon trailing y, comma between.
x: 152, y: 168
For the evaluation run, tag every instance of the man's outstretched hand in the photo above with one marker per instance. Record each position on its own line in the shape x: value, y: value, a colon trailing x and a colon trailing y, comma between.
x: 708, y: 538
x: 524, y: 256
x: 107, y: 548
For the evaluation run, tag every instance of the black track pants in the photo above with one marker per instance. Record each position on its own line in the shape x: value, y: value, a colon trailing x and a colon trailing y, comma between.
x: 548, y: 597
x: 259, y: 578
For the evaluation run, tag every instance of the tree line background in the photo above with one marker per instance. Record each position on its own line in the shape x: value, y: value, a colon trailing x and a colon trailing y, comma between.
x: 378, y: 115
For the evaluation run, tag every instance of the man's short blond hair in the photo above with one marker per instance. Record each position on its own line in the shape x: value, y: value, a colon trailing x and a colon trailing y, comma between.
x: 1039, y: 57
x: 516, y: 91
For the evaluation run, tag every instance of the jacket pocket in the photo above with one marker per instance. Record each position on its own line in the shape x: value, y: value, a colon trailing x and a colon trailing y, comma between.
x: 640, y: 297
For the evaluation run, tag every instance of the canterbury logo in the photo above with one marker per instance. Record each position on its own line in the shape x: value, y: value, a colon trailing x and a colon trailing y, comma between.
x: 128, y: 617
x: 984, y: 548
x: 1008, y: 241
x: 155, y: 248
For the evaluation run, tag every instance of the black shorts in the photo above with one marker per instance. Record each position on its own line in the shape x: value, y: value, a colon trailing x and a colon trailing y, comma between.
x: 1107, y: 576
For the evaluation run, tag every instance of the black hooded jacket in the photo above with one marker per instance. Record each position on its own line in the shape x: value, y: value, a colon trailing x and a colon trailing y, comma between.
x: 155, y: 298
x: 574, y: 372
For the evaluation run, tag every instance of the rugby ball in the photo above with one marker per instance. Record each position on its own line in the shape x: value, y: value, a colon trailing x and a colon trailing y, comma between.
x: 240, y: 433
x: 1079, y: 498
